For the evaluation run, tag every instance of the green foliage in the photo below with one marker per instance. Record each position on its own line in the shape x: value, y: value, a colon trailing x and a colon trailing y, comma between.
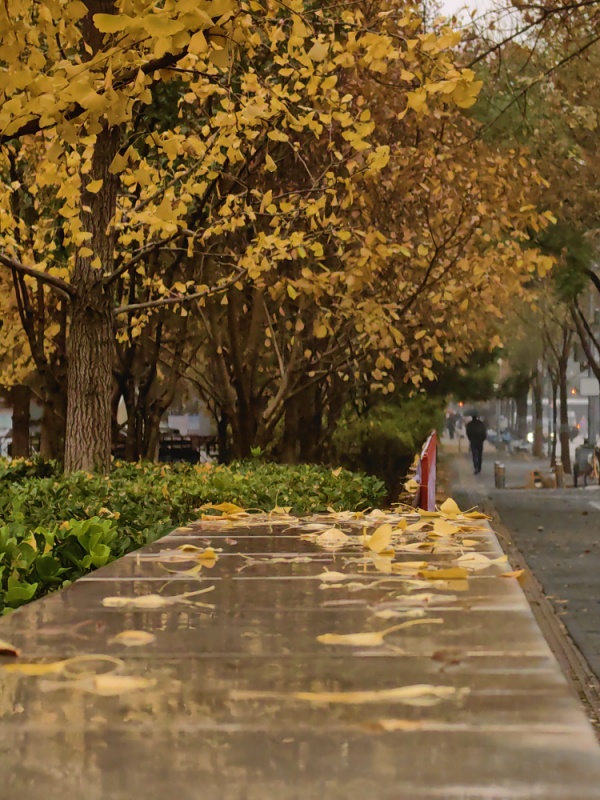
x: 383, y: 441
x: 472, y: 381
x: 574, y: 256
x: 55, y: 528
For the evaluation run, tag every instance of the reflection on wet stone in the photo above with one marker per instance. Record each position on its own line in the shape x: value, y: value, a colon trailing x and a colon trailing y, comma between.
x: 238, y: 661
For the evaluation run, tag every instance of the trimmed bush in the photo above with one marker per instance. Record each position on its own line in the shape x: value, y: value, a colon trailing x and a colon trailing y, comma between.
x: 384, y: 440
x: 56, y: 528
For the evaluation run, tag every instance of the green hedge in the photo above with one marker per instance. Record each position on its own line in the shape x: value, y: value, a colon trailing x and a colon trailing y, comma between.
x: 383, y: 441
x: 55, y: 528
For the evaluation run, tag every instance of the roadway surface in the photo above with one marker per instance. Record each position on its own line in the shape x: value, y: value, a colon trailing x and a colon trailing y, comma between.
x: 556, y: 531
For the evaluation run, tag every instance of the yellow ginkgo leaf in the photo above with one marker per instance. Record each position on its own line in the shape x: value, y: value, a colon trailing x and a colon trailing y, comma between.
x: 106, y: 685
x: 450, y: 574
x: 416, y: 526
x: 381, y: 538
x: 94, y: 186
x: 34, y: 670
x: 332, y: 538
x: 443, y: 528
x: 403, y: 694
x: 133, y: 638
x: 516, y: 573
x: 450, y: 508
x: 318, y: 52
x: 332, y: 577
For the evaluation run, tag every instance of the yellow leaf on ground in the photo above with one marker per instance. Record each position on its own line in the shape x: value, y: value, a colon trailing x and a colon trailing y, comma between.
x: 104, y: 685
x: 450, y: 508
x: 516, y: 573
x: 451, y: 574
x: 332, y: 577
x: 332, y: 538
x: 134, y: 638
x: 36, y: 669
x: 417, y: 694
x: 444, y: 528
x: 381, y: 538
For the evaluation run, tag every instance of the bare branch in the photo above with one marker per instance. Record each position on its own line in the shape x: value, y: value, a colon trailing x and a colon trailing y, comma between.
x: 51, y: 280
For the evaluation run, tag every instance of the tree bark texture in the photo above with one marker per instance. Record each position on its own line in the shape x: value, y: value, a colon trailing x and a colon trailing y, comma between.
x: 521, y: 401
x: 52, y: 436
x: 20, y: 397
x: 565, y: 442
x: 538, y: 414
x: 91, y: 338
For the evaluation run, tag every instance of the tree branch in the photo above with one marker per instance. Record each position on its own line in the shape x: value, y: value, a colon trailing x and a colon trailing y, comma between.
x: 180, y: 299
x: 52, y: 280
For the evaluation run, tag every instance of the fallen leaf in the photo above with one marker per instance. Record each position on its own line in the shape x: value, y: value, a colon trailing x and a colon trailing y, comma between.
x: 450, y: 508
x: 381, y: 538
x: 332, y: 538
x: 443, y: 528
x: 35, y: 669
x: 369, y: 638
x: 133, y: 638
x: 477, y: 561
x: 151, y: 601
x: 475, y: 515
x: 450, y: 574
x: 417, y: 694
x: 416, y: 526
x: 517, y: 573
x: 332, y: 577
x: 7, y: 649
x: 103, y: 685
x: 365, y: 639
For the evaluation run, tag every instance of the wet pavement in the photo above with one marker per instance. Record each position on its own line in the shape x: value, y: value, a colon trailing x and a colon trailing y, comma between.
x: 164, y: 678
x: 558, y: 533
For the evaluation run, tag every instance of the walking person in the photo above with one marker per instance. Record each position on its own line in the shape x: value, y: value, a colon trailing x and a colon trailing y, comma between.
x: 476, y: 434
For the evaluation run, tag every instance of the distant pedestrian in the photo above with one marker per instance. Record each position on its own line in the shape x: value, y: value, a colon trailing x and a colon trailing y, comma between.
x: 476, y: 434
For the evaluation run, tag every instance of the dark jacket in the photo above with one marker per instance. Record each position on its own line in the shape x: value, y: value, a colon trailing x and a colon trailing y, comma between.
x: 476, y: 431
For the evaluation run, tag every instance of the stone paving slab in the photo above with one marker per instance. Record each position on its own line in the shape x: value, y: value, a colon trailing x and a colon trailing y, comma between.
x: 234, y: 697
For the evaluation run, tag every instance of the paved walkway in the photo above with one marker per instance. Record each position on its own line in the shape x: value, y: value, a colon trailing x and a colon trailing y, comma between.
x: 163, y: 693
x: 558, y: 532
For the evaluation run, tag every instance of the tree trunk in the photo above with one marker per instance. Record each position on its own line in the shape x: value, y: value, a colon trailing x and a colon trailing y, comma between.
x: 521, y: 401
x: 565, y: 454
x: 20, y: 397
x: 91, y: 337
x: 290, y: 443
x: 152, y: 436
x: 52, y: 436
x: 554, y: 420
x: 88, y: 444
x: 223, y: 439
x: 538, y: 413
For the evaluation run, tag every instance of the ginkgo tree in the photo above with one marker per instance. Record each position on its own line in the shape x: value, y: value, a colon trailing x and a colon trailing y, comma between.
x: 76, y: 82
